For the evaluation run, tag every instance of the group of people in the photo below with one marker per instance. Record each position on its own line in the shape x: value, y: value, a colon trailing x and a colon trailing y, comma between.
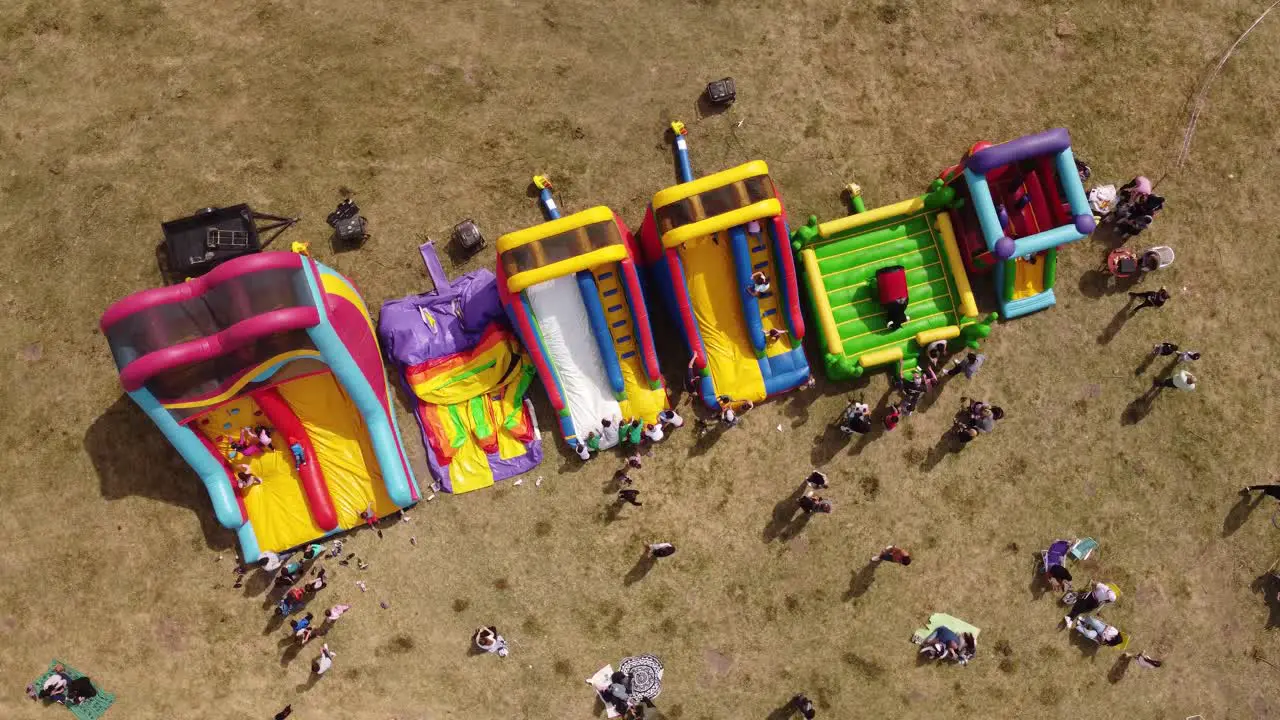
x: 975, y: 417
x: 62, y: 688
x: 1135, y: 207
x: 946, y: 644
x: 619, y: 696
x: 299, y: 589
x: 1179, y: 378
x: 630, y: 434
x: 253, y: 442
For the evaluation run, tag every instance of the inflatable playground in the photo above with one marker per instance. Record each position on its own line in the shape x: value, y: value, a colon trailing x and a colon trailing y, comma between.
x: 571, y: 288
x: 857, y: 269
x: 268, y: 367
x: 704, y: 241
x: 1019, y: 203
x: 266, y: 373
x: 468, y: 376
x: 885, y: 285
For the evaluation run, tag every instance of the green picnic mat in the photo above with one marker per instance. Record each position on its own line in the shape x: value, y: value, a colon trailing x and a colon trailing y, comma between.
x: 937, y: 620
x: 91, y: 709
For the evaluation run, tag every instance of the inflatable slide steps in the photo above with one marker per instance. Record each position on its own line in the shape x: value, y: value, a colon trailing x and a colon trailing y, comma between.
x: 641, y: 398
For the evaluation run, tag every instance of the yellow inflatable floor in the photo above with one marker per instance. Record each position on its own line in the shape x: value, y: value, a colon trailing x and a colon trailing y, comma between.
x: 342, y: 446
x: 277, y: 508
x: 717, y: 305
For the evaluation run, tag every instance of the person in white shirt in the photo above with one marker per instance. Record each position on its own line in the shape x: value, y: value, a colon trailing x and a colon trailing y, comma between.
x: 669, y: 417
x: 609, y: 432
x: 1180, y: 379
x: 583, y: 451
x: 759, y: 284
x: 653, y: 433
x: 322, y: 664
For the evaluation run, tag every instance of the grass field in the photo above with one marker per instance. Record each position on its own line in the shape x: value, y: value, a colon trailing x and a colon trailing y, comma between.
x: 117, y: 115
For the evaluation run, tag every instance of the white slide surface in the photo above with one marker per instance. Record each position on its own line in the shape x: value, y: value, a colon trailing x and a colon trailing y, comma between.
x: 572, y: 351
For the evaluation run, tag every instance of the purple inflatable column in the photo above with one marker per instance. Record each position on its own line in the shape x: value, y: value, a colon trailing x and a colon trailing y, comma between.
x: 434, y: 269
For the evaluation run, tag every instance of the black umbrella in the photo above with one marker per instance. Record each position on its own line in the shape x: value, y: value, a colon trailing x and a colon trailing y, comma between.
x: 645, y: 672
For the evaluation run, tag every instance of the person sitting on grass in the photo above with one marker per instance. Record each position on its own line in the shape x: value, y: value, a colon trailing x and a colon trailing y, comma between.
x: 488, y: 640
x: 941, y: 644
x: 1099, y: 631
x: 759, y: 284
x: 618, y: 694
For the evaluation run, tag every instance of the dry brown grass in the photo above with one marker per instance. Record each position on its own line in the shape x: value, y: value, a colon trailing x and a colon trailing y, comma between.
x: 115, y: 115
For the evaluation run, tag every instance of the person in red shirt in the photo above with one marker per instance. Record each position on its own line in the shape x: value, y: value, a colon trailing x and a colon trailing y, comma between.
x: 893, y: 554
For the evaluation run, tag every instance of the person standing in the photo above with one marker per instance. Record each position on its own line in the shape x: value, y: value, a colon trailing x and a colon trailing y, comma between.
x: 817, y: 480
x: 580, y: 447
x: 804, y: 706
x: 669, y: 417
x: 692, y: 377
x: 321, y: 665
x: 893, y: 554
x: 332, y: 614
x: 811, y: 504
x: 301, y: 624
x: 1164, y: 349
x: 1269, y: 490
x: 630, y: 495
x: 1144, y: 660
x: 653, y: 433
x: 969, y: 365
x: 1149, y: 298
x: 1180, y: 380
x: 1188, y: 356
x: 661, y: 549
x: 270, y: 561
x: 609, y: 432
x: 284, y: 714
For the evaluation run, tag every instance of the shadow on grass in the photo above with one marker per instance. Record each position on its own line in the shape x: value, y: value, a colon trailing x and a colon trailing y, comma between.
x: 1117, y: 322
x: 292, y: 648
x: 1087, y: 647
x: 1140, y: 406
x: 312, y: 679
x: 1039, y: 585
x: 640, y: 569
x: 784, y: 712
x: 861, y: 581
x: 1100, y: 283
x: 787, y: 519
x: 132, y: 458
x: 946, y: 445
x: 828, y: 445
x: 1118, y: 670
x: 1268, y: 585
x: 1239, y: 513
